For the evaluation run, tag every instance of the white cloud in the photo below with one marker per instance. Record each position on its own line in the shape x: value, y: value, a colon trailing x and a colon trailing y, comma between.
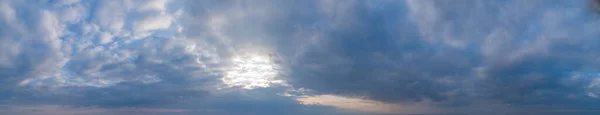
x: 425, y: 14
x: 105, y: 37
x: 66, y: 2
x: 593, y: 88
x: 111, y: 15
x: 159, y: 5
x: 77, y: 12
x: 8, y: 13
x: 51, y: 28
x: 56, y: 28
x: 162, y: 21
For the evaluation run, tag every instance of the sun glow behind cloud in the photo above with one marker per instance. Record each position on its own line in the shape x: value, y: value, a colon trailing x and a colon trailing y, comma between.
x: 253, y: 71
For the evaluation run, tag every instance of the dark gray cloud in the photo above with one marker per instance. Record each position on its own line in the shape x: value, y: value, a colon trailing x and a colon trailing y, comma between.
x: 379, y: 54
x: 518, y: 52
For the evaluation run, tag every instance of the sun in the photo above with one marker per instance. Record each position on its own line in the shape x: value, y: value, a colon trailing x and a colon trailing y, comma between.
x: 250, y: 72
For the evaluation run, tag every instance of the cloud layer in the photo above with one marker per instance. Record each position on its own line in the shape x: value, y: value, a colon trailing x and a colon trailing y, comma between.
x: 271, y: 57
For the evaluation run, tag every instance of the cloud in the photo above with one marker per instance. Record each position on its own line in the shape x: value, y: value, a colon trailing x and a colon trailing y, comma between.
x: 522, y: 53
x: 367, y: 58
x: 267, y: 57
x: 33, y: 48
x: 523, y: 47
x: 108, y: 55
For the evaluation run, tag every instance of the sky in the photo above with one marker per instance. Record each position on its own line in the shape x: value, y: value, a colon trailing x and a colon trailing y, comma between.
x: 299, y: 57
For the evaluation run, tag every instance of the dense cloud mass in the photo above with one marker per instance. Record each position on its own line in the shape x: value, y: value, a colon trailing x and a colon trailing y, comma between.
x: 299, y: 57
